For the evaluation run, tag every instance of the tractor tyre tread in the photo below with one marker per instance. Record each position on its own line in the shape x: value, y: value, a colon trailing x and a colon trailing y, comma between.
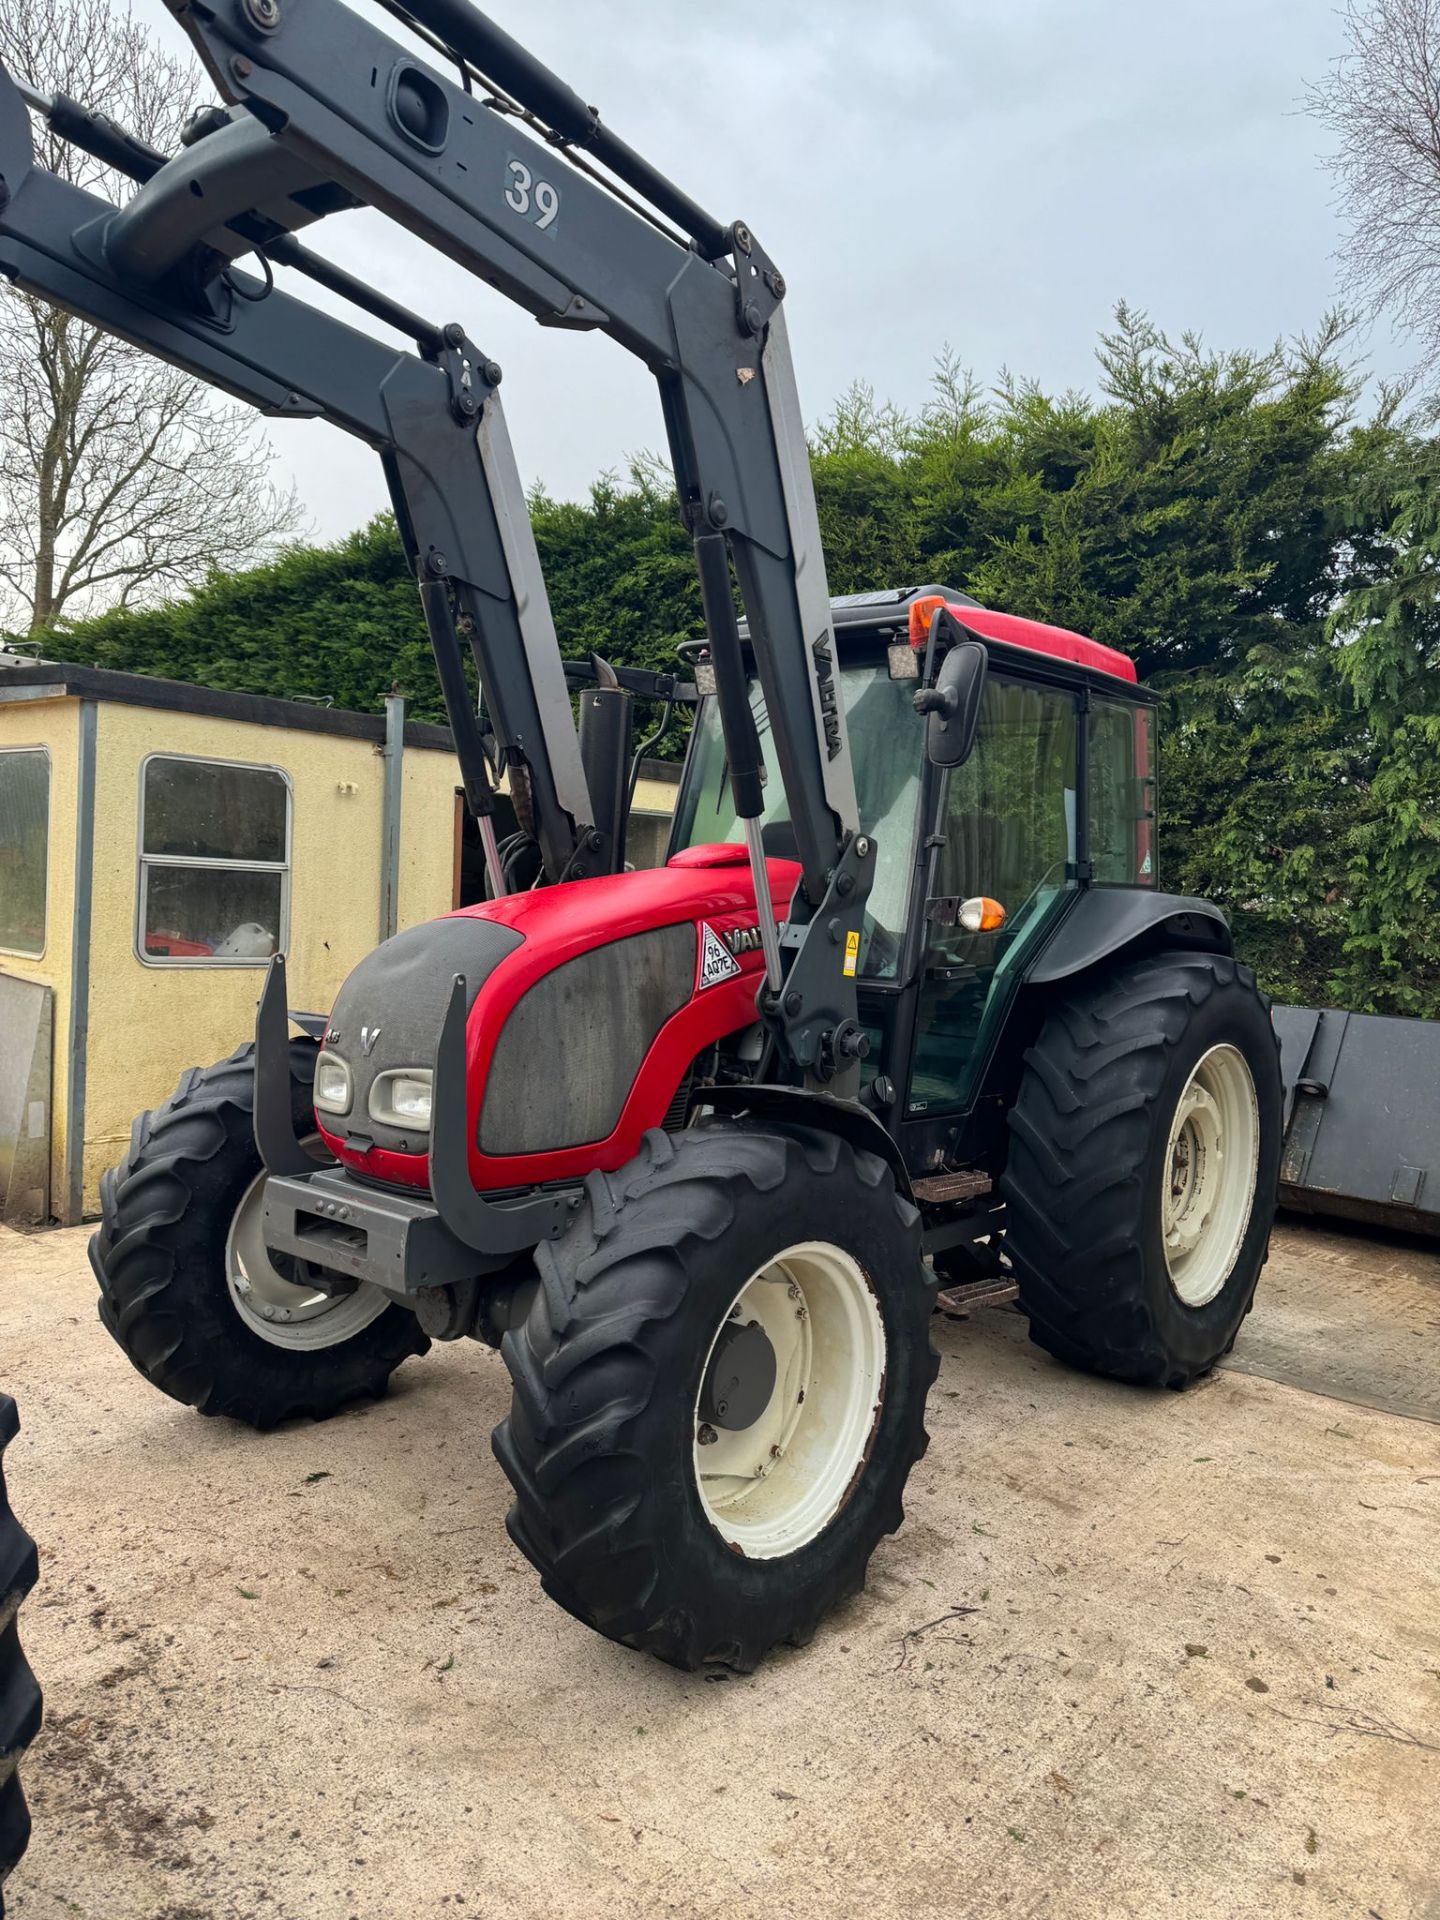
x: 581, y: 1446
x: 20, y: 1705
x: 158, y: 1258
x: 1083, y: 1148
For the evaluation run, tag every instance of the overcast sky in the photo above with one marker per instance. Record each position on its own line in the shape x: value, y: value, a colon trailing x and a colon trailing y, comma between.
x: 992, y: 175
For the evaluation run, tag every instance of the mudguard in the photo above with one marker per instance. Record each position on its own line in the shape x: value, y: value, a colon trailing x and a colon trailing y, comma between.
x: 1106, y: 920
x: 855, y: 1124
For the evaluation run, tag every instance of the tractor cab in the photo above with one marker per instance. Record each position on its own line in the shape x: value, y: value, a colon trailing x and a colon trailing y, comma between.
x: 979, y: 862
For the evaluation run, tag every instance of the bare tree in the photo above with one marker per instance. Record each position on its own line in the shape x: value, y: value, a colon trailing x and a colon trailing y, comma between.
x: 1382, y: 99
x: 120, y: 477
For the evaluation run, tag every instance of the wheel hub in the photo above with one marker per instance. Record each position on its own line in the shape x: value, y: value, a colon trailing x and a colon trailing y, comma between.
x: 740, y: 1377
x: 1211, y: 1166
x: 799, y: 1366
x: 276, y: 1298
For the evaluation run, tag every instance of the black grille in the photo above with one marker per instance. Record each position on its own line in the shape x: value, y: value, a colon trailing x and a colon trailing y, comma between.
x: 570, y: 1050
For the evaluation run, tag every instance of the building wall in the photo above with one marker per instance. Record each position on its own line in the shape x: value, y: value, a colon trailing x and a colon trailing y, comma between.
x: 148, y: 1023
x: 427, y: 836
x: 54, y: 725
x: 651, y: 812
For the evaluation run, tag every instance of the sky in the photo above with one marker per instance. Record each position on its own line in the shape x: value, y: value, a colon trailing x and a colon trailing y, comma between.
x: 989, y: 177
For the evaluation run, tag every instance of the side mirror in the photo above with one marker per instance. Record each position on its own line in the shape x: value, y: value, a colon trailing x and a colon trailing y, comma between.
x: 953, y: 704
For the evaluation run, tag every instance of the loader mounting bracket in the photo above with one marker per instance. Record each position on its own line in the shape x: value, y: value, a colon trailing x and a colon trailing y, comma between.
x: 274, y: 1125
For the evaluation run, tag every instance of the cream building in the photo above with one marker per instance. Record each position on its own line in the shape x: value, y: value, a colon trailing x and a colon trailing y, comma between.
x: 158, y: 842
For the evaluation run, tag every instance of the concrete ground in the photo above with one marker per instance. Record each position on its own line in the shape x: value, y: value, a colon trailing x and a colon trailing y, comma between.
x: 1130, y: 1654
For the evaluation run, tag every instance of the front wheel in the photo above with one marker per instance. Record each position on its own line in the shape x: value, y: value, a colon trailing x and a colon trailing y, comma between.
x: 1143, y: 1168
x: 719, y: 1391
x: 187, y: 1286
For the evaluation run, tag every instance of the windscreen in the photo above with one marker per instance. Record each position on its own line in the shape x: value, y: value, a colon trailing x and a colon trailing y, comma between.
x: 887, y: 752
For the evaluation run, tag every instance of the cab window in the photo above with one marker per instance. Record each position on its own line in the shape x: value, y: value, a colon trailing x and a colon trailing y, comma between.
x: 1009, y: 826
x: 1121, y: 755
x: 887, y: 750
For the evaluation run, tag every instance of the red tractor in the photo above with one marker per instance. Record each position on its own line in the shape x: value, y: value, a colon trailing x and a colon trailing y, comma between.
x: 690, y: 1145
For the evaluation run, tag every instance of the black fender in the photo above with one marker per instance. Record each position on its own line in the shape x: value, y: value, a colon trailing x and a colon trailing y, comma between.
x: 1106, y: 920
x: 846, y: 1117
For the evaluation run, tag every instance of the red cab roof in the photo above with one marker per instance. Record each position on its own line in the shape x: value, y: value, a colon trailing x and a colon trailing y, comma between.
x: 1012, y: 631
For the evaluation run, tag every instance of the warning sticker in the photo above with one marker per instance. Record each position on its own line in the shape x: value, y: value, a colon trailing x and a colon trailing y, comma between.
x: 852, y: 954
x: 717, y: 963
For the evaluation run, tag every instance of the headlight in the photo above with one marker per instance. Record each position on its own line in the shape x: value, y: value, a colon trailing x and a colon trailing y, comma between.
x: 332, y: 1084
x: 401, y: 1098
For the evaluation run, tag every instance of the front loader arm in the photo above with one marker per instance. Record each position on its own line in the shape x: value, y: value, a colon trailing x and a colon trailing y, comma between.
x: 356, y: 110
x: 350, y: 117
x: 447, y: 484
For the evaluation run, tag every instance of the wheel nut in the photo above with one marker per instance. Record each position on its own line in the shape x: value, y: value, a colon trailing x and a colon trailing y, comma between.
x: 707, y: 1436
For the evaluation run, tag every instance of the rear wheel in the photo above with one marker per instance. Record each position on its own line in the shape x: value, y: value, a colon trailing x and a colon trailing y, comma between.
x: 719, y: 1392
x: 1143, y: 1168
x: 187, y: 1287
x: 19, y: 1695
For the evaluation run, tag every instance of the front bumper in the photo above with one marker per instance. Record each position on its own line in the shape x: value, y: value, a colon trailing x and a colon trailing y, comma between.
x: 386, y: 1239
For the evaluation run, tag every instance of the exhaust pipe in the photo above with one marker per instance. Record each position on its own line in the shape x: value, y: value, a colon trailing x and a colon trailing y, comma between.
x: 606, y: 725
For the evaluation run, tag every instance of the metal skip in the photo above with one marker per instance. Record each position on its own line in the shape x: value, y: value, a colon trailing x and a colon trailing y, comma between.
x: 1362, y: 1117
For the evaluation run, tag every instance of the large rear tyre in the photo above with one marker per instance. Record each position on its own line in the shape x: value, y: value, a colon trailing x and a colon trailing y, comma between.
x: 1143, y: 1167
x: 19, y: 1695
x: 187, y: 1288
x: 719, y: 1392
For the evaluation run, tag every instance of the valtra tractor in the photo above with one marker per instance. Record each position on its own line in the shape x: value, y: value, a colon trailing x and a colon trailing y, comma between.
x: 692, y: 1146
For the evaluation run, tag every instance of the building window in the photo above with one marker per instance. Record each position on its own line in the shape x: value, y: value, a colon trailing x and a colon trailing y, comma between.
x: 24, y: 848
x: 214, y: 862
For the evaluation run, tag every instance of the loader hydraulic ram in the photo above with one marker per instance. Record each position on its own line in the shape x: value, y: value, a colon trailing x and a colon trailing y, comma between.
x: 617, y: 1124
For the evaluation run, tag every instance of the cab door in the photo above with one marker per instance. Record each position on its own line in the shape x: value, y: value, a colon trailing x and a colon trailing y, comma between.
x: 1009, y: 826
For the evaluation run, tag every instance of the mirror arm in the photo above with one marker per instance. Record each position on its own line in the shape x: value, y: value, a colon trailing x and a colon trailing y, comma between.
x: 944, y: 700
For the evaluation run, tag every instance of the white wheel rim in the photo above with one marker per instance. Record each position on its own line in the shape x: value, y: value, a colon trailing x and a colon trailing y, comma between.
x: 1210, y: 1169
x: 300, y: 1318
x: 772, y: 1487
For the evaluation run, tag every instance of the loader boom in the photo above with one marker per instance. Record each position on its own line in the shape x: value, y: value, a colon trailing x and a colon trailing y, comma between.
x: 325, y: 112
x: 288, y: 359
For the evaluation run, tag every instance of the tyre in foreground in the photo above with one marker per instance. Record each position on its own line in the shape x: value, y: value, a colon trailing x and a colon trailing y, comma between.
x: 19, y: 1695
x: 719, y: 1391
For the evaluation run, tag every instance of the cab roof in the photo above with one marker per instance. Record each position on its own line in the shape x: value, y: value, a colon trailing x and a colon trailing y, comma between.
x: 892, y: 604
